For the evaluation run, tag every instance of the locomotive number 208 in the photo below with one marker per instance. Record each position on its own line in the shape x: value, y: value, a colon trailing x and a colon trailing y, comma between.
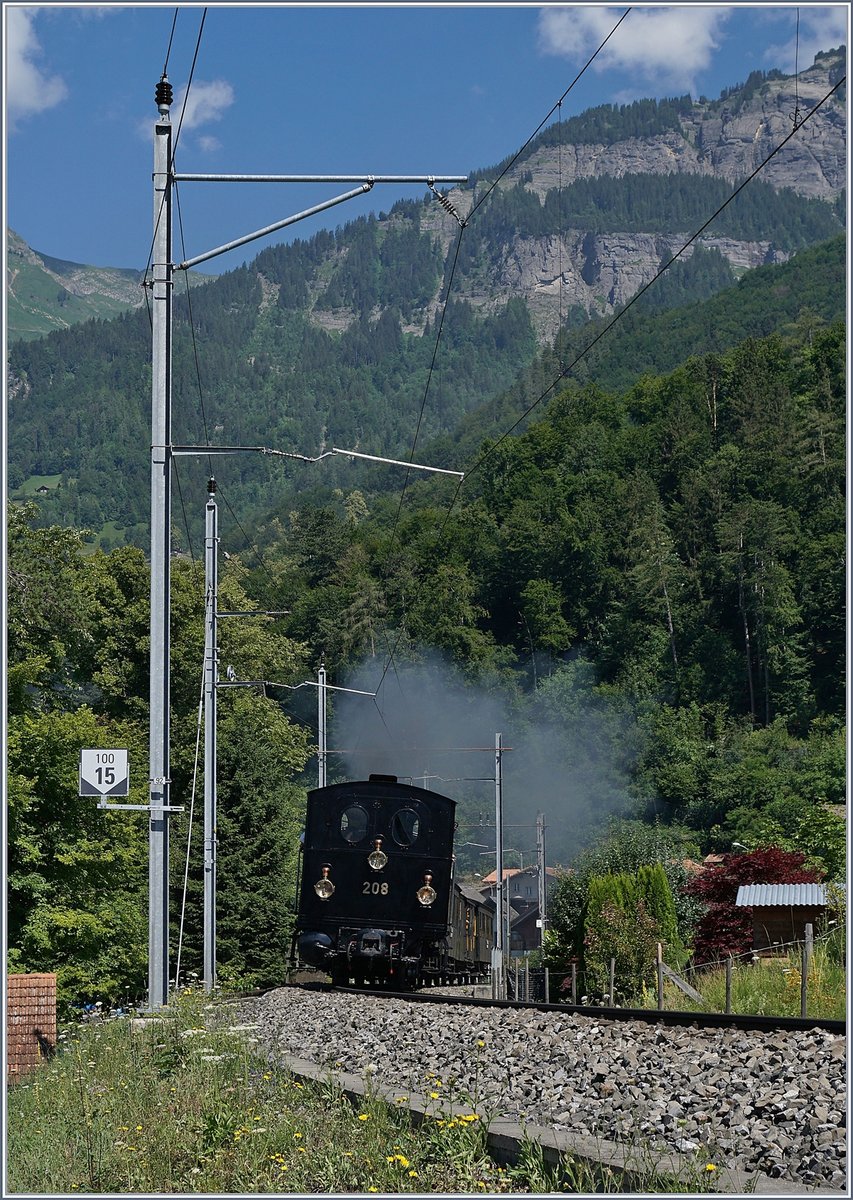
x: 372, y: 887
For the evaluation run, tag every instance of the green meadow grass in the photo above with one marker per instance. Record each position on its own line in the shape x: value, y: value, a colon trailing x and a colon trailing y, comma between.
x: 186, y: 1103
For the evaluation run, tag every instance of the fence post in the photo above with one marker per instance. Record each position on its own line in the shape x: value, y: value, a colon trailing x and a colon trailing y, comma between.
x: 574, y: 983
x: 660, y: 976
x: 804, y: 974
x: 547, y: 986
x: 729, y: 984
x: 612, y: 980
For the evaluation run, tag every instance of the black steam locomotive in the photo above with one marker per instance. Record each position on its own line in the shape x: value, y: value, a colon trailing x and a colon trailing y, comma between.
x: 377, y: 899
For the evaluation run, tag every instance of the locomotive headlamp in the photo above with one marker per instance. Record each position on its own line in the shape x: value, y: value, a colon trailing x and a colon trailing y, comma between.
x: 427, y: 894
x: 324, y: 887
x: 377, y: 857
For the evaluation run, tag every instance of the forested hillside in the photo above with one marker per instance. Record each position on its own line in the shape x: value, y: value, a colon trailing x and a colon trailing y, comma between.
x: 641, y: 576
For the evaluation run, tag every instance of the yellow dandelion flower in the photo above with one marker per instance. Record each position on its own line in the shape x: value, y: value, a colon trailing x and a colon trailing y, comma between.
x: 139, y: 1129
x: 364, y: 1116
x: 434, y: 1095
x: 400, y: 1100
x: 413, y: 1174
x: 481, y: 1044
x: 710, y: 1167
x: 297, y: 1135
x: 301, y: 1149
x: 373, y: 1189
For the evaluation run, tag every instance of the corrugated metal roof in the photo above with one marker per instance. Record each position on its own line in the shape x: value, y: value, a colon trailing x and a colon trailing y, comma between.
x: 789, y: 895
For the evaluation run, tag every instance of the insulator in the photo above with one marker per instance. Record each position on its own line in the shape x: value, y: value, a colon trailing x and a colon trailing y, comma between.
x: 163, y: 94
x: 445, y: 204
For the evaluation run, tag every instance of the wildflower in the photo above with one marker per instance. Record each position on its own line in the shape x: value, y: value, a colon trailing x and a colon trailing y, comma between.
x: 373, y: 1189
x: 364, y: 1116
x: 413, y: 1174
x: 433, y: 1095
x: 139, y: 1129
x: 400, y: 1100
x: 296, y: 1135
x: 710, y: 1167
x: 480, y: 1043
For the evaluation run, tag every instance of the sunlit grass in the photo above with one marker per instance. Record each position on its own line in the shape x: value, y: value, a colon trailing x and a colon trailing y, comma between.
x: 185, y: 1103
x: 770, y: 987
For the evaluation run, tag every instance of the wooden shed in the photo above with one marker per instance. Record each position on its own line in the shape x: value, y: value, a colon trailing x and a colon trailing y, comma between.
x: 781, y: 911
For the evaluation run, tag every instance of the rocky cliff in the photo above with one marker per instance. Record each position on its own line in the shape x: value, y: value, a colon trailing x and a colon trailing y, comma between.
x: 722, y: 139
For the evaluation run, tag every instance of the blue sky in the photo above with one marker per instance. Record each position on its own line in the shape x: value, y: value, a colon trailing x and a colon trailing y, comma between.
x: 384, y: 89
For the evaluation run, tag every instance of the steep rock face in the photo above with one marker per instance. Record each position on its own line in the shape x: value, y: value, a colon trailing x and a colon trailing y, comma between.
x: 724, y: 139
x: 598, y: 272
x: 727, y: 141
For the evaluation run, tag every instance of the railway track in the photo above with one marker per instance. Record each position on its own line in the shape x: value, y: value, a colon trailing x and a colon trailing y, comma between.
x: 671, y: 1017
x: 763, y: 1097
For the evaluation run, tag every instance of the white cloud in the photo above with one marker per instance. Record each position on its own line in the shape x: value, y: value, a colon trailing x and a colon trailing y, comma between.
x: 209, y: 144
x: 207, y: 102
x: 820, y: 29
x: 29, y: 88
x: 664, y: 47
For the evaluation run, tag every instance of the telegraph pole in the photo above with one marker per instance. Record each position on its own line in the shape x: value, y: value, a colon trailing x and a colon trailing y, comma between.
x: 161, y: 466
x: 211, y: 680
x: 498, y: 982
x: 321, y: 726
x: 540, y: 862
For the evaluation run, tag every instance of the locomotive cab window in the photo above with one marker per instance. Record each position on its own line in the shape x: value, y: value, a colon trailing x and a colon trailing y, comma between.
x: 354, y: 824
x: 405, y: 827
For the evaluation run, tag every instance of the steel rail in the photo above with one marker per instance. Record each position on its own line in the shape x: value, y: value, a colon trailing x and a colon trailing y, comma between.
x: 703, y: 1020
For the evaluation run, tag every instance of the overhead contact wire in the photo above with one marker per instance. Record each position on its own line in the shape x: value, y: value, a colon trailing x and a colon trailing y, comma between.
x: 548, y: 115
x: 463, y: 225
x: 565, y: 371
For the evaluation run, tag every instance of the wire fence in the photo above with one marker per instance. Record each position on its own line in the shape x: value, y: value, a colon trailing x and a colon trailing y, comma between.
x: 583, y: 987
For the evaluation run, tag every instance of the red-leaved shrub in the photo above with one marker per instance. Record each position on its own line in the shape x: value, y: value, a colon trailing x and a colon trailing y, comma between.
x: 725, y: 929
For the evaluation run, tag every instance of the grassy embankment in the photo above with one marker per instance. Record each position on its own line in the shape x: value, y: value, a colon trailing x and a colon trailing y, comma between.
x: 188, y: 1104
x: 770, y: 987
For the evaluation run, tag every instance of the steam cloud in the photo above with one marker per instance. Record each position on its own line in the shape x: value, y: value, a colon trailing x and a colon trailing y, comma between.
x: 567, y: 752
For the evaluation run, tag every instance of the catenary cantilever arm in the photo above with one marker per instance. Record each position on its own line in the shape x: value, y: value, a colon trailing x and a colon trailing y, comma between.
x: 393, y: 462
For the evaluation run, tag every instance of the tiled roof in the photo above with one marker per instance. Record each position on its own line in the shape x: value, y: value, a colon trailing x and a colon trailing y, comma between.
x: 788, y: 895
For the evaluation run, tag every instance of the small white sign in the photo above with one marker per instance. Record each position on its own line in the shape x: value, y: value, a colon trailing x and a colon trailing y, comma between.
x: 104, y: 773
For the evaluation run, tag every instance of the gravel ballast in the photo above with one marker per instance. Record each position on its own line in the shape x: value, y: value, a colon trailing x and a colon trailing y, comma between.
x: 773, y: 1103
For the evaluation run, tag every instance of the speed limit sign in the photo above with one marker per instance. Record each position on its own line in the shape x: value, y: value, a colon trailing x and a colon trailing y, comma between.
x: 103, y: 773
